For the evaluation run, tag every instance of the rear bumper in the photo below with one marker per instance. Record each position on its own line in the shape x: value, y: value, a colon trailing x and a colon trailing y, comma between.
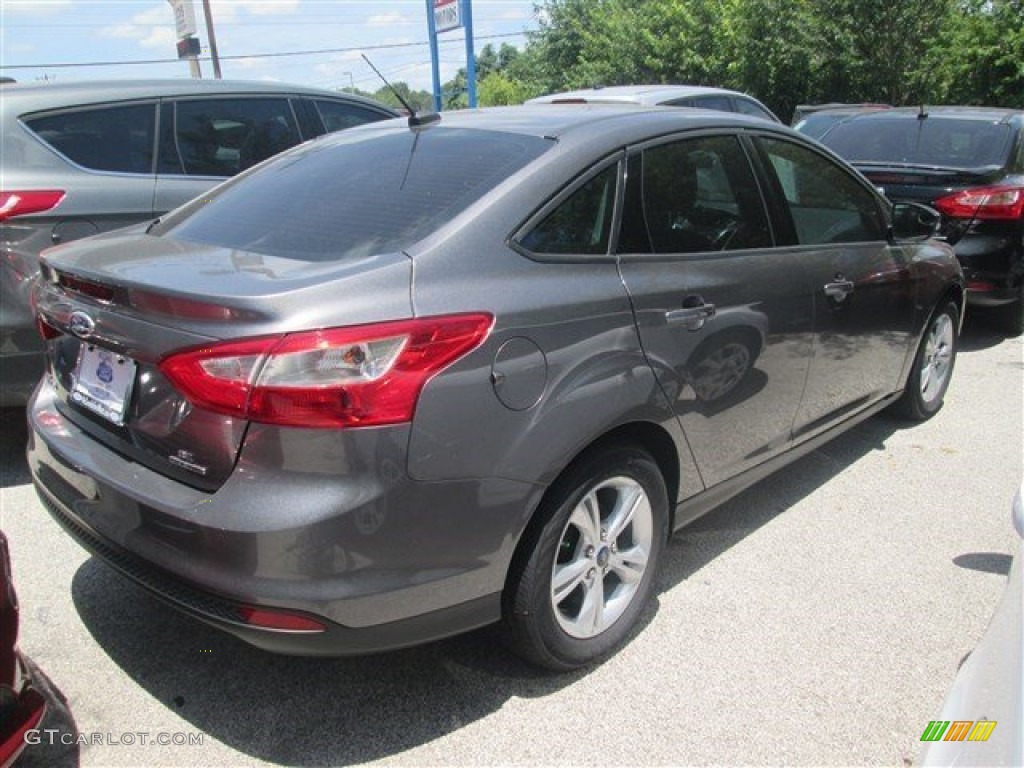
x: 25, y: 715
x: 379, y: 560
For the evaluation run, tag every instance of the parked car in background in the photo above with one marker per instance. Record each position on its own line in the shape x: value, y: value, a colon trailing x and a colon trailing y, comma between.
x: 664, y: 95
x: 989, y: 688
x: 21, y: 706
x: 87, y: 157
x: 409, y: 380
x: 967, y: 163
x: 816, y: 119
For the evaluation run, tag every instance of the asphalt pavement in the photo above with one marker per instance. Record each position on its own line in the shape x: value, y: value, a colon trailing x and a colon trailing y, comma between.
x: 817, y: 619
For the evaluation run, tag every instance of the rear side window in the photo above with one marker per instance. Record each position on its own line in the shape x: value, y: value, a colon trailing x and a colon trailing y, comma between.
x: 118, y: 139
x: 338, y: 115
x: 582, y: 223
x: 357, y: 194
x: 747, y: 107
x: 827, y: 203
x: 220, y: 137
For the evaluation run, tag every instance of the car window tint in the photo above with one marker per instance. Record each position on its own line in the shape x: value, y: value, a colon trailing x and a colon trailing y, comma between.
x: 721, y: 103
x: 581, y: 223
x: 828, y: 204
x: 357, y: 194
x: 102, y: 139
x: 697, y: 195
x: 936, y: 141
x: 220, y: 137
x: 748, y: 107
x: 338, y: 115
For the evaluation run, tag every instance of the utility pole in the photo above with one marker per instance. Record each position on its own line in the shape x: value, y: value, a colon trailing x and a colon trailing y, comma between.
x: 213, y: 39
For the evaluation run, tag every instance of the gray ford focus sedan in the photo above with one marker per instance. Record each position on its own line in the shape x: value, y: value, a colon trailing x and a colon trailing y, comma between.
x: 427, y: 375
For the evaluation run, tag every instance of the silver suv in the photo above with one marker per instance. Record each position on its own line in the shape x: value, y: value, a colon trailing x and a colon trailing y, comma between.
x: 87, y: 157
x: 699, y: 96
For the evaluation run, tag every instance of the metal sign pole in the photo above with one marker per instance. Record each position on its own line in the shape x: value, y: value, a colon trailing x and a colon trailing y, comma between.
x: 213, y: 40
x: 434, y: 63
x: 467, y: 23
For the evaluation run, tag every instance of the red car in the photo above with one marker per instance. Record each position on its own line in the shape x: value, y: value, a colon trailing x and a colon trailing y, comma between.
x: 21, y: 706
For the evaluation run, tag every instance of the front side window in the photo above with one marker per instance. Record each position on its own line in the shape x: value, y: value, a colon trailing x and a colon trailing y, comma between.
x: 581, y: 223
x: 827, y: 203
x: 220, y: 137
x: 693, y: 196
x: 118, y: 139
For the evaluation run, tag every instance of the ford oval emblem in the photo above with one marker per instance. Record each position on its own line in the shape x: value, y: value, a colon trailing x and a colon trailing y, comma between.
x: 81, y: 325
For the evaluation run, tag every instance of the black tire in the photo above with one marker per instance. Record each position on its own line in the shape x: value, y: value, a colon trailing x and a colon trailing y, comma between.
x: 933, y: 365
x: 596, y: 609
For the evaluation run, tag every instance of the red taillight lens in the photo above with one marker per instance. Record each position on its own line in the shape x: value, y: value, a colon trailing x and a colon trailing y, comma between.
x: 280, y: 620
x: 984, y: 203
x: 31, y: 201
x: 46, y: 330
x: 359, y: 376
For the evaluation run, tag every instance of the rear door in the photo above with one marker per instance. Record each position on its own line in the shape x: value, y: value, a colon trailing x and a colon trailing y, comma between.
x: 206, y: 140
x: 863, y: 294
x: 724, y: 316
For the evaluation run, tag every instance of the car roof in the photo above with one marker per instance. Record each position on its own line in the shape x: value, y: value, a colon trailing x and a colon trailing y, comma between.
x: 31, y: 97
x: 988, y: 114
x: 647, y: 95
x: 614, y: 125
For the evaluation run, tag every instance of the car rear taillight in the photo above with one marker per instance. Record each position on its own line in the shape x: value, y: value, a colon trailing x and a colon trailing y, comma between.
x: 21, y: 203
x: 46, y: 330
x: 357, y: 376
x: 984, y: 203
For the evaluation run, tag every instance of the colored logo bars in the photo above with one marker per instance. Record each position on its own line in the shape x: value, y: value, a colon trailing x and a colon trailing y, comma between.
x: 958, y: 730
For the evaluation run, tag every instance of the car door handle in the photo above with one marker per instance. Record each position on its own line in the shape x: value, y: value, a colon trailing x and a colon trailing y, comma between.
x: 838, y: 290
x: 692, y: 317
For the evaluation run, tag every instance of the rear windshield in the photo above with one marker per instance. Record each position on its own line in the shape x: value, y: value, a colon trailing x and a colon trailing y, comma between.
x: 933, y: 141
x: 356, y: 194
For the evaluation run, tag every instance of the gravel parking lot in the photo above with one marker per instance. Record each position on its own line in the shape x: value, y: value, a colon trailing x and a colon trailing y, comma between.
x: 816, y: 619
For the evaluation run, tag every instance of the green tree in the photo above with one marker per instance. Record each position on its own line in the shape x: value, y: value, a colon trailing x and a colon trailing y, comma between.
x: 497, y: 90
x: 980, y: 58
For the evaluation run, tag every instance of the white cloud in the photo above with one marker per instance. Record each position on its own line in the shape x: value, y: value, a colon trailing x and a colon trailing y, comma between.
x: 269, y: 7
x: 387, y: 19
x: 36, y: 7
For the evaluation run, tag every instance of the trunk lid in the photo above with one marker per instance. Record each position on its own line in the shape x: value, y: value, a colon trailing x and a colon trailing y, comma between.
x: 116, y: 305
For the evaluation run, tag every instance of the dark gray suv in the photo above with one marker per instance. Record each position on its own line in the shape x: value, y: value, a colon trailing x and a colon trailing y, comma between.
x: 87, y: 157
x: 412, y: 379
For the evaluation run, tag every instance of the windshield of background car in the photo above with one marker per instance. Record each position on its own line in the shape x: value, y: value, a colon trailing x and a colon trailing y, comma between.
x: 356, y: 195
x: 932, y: 141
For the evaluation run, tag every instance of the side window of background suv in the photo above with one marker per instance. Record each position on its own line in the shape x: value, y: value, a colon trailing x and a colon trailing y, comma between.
x: 118, y: 139
x: 338, y: 115
x: 221, y: 137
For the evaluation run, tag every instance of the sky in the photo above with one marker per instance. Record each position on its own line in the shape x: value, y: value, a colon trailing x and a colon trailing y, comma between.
x: 38, y: 35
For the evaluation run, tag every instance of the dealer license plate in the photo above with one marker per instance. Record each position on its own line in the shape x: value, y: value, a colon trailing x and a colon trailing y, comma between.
x: 103, y: 382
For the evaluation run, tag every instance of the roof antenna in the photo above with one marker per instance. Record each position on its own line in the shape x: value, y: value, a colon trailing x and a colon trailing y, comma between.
x: 415, y: 120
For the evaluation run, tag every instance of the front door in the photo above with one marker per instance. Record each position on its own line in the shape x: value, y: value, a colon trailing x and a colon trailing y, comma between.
x: 863, y: 300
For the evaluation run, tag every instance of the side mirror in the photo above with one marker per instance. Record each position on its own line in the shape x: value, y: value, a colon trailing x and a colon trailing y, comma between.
x: 913, y: 221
